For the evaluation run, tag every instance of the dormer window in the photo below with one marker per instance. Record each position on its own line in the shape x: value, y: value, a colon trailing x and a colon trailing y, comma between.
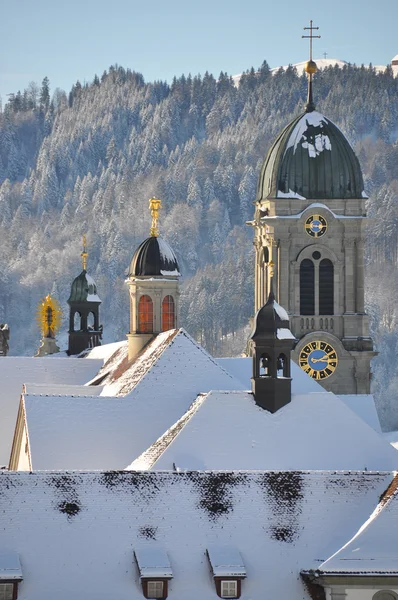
x: 155, y: 589
x: 155, y: 571
x: 229, y: 588
x: 228, y: 570
x: 10, y: 575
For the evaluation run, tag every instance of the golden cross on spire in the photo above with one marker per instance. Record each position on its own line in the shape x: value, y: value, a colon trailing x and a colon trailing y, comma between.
x: 155, y: 205
x: 84, y: 254
x: 311, y: 28
x: 310, y: 67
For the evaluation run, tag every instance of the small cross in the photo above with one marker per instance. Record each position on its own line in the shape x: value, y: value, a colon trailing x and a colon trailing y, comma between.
x: 325, y: 54
x: 311, y: 36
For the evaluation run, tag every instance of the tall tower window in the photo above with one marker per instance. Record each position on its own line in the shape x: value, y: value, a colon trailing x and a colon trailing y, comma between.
x: 168, y: 313
x: 326, y: 287
x: 145, y: 315
x: 307, y: 287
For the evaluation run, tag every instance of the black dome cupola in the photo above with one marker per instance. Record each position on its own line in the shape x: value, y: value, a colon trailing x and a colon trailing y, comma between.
x: 154, y: 258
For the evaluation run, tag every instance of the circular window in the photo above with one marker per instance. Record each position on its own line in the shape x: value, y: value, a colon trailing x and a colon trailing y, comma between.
x: 316, y: 255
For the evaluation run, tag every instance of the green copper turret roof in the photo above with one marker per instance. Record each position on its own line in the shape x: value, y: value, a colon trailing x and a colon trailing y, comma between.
x: 311, y: 159
x: 84, y: 289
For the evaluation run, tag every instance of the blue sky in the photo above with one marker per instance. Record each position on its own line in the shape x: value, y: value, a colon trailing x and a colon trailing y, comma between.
x: 74, y: 39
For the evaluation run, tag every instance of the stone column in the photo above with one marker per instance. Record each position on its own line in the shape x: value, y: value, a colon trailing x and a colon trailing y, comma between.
x: 337, y: 593
x: 284, y: 274
x: 349, y: 252
x: 360, y: 295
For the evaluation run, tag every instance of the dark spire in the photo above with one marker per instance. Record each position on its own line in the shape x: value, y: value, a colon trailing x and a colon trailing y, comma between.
x: 310, y: 68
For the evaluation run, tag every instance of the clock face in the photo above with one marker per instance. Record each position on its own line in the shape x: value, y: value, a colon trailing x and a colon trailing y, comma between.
x: 316, y: 226
x: 318, y: 359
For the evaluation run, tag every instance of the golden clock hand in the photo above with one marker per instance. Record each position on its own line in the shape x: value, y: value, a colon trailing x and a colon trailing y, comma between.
x: 322, y: 359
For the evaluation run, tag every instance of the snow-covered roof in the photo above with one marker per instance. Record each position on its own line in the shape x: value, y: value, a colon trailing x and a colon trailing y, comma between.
x: 373, y: 549
x: 153, y: 562
x: 229, y: 431
x: 15, y: 371
x: 10, y: 566
x: 109, y: 432
x: 226, y: 561
x: 363, y: 405
x: 61, y: 389
x: 78, y: 531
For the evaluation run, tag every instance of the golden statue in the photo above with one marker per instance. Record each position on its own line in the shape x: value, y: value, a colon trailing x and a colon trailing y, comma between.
x: 155, y: 205
x: 49, y: 316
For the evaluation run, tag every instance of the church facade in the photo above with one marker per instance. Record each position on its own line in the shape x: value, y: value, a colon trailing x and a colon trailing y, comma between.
x: 309, y: 230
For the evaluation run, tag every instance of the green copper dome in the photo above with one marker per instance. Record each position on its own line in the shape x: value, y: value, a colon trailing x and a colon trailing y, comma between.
x: 311, y: 159
x: 83, y: 289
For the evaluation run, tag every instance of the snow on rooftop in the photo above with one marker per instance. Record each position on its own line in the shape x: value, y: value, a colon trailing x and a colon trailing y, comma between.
x: 153, y: 562
x: 363, y: 405
x: 373, y: 549
x: 284, y: 334
x: 61, y: 389
x: 79, y: 531
x: 226, y: 561
x: 10, y: 567
x: 105, y: 351
x: 15, y: 371
x: 315, y: 431
x: 110, y: 432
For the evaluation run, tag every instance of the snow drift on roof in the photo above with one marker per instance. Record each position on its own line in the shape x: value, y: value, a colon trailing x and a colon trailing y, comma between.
x: 373, y: 550
x: 153, y: 562
x: 226, y: 561
x: 10, y: 567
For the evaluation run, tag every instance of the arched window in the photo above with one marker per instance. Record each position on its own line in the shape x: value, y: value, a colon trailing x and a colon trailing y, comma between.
x: 77, y: 321
x: 145, y: 315
x: 91, y: 320
x: 385, y: 595
x: 283, y: 368
x: 265, y: 366
x: 307, y: 287
x: 168, y: 313
x: 326, y: 287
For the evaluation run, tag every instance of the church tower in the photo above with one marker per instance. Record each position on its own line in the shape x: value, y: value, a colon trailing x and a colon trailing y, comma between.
x: 153, y: 282
x: 271, y: 344
x: 84, y: 328
x: 309, y: 228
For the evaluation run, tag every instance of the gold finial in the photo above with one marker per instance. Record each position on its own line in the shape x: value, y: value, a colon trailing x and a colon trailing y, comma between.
x: 310, y: 66
x: 155, y: 205
x: 84, y: 254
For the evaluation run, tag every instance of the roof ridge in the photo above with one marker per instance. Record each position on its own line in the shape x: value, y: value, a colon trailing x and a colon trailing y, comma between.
x: 155, y: 450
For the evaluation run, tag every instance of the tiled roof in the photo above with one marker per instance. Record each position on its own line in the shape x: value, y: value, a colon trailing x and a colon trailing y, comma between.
x: 78, y: 531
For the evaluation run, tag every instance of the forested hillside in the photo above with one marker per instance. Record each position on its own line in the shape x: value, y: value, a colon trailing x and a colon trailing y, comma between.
x: 88, y: 161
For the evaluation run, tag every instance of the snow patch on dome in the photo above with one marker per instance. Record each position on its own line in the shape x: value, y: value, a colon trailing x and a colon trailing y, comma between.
x: 315, y: 144
x: 289, y: 194
x: 280, y: 311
